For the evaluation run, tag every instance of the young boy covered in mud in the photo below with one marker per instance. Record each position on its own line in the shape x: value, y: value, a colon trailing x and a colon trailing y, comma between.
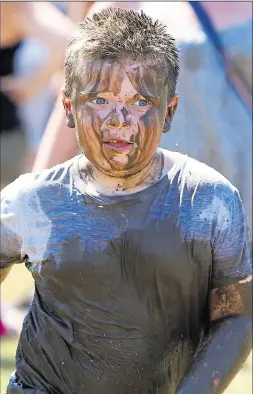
x: 140, y: 256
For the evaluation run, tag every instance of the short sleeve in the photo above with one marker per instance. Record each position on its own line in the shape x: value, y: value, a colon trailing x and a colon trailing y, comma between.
x: 11, y: 239
x: 232, y: 245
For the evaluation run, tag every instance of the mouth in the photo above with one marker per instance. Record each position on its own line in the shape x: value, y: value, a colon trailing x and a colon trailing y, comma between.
x: 118, y: 145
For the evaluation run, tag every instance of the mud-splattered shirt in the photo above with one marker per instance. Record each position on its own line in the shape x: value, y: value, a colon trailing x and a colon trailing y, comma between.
x: 121, y: 283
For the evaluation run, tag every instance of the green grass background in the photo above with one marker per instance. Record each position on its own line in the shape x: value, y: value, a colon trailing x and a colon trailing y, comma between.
x: 20, y: 280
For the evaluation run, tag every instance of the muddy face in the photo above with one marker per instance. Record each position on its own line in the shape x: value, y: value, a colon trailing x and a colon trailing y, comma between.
x: 119, y: 111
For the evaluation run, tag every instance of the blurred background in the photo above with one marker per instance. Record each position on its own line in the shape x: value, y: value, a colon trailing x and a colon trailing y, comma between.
x: 213, y: 122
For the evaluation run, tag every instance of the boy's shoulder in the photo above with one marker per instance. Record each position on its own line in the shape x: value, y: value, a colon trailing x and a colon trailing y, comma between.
x: 29, y: 183
x: 209, y: 184
x: 206, y: 196
x: 194, y: 176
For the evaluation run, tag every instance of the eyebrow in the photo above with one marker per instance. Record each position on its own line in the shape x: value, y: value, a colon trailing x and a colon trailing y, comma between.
x: 154, y: 100
x: 89, y: 94
x: 146, y: 96
x: 137, y: 95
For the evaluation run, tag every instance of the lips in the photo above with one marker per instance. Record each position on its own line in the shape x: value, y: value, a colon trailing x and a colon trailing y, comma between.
x: 118, y: 145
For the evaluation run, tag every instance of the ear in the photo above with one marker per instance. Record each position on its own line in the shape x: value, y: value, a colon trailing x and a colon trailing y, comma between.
x: 172, y: 106
x: 68, y: 111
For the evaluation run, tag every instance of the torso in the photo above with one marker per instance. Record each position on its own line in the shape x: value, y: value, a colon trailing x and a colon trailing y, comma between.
x: 120, y: 291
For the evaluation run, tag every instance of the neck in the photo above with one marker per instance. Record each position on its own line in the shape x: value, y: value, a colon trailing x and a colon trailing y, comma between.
x: 99, y: 182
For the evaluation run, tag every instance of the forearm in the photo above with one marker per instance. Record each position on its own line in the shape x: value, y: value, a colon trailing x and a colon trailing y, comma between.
x: 50, y: 27
x: 219, y: 358
x: 79, y: 10
x: 76, y: 12
x: 43, y: 76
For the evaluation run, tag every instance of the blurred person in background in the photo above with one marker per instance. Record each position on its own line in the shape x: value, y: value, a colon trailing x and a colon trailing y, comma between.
x: 33, y: 41
x: 212, y: 124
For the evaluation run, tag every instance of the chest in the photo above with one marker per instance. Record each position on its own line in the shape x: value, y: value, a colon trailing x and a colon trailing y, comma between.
x: 96, y: 246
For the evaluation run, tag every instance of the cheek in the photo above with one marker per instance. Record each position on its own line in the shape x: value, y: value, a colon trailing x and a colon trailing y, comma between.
x: 149, y: 130
x: 135, y: 120
x: 105, y: 112
x: 88, y: 122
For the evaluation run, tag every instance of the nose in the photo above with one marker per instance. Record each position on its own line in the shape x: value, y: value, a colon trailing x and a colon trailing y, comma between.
x: 118, y: 118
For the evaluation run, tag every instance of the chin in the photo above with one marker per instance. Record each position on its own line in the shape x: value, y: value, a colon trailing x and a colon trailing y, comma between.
x: 119, y: 170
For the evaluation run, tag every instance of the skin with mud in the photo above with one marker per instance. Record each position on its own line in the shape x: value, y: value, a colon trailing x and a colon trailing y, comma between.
x: 119, y: 111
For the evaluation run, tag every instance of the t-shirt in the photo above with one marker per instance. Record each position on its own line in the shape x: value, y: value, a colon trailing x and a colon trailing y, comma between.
x: 122, y: 283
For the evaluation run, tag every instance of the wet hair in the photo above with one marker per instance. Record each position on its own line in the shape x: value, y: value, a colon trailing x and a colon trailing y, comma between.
x: 117, y: 33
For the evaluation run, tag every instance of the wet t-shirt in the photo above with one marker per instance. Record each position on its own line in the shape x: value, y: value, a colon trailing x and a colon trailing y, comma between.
x: 121, y: 283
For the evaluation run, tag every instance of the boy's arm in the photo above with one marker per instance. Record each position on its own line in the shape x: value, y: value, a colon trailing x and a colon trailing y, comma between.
x: 11, y: 228
x: 228, y: 343
x: 229, y: 339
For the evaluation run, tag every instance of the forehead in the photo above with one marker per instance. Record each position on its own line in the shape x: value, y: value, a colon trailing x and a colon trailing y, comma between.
x: 108, y: 75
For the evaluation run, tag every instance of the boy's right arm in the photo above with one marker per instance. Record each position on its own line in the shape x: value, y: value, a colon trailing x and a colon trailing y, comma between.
x: 11, y: 234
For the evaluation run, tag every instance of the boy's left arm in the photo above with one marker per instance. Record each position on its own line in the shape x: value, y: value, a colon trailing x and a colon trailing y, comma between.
x: 229, y: 339
x: 228, y: 343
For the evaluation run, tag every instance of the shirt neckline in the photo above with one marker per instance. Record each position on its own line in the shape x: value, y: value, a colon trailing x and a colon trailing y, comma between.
x: 136, y: 197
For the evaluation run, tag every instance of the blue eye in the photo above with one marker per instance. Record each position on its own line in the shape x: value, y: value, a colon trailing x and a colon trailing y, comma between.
x: 141, y: 103
x: 99, y: 101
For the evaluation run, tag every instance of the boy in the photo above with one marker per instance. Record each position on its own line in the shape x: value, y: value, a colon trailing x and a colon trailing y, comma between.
x: 141, y: 257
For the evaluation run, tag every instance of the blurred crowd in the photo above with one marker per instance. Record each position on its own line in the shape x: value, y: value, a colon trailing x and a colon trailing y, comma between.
x: 213, y: 122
